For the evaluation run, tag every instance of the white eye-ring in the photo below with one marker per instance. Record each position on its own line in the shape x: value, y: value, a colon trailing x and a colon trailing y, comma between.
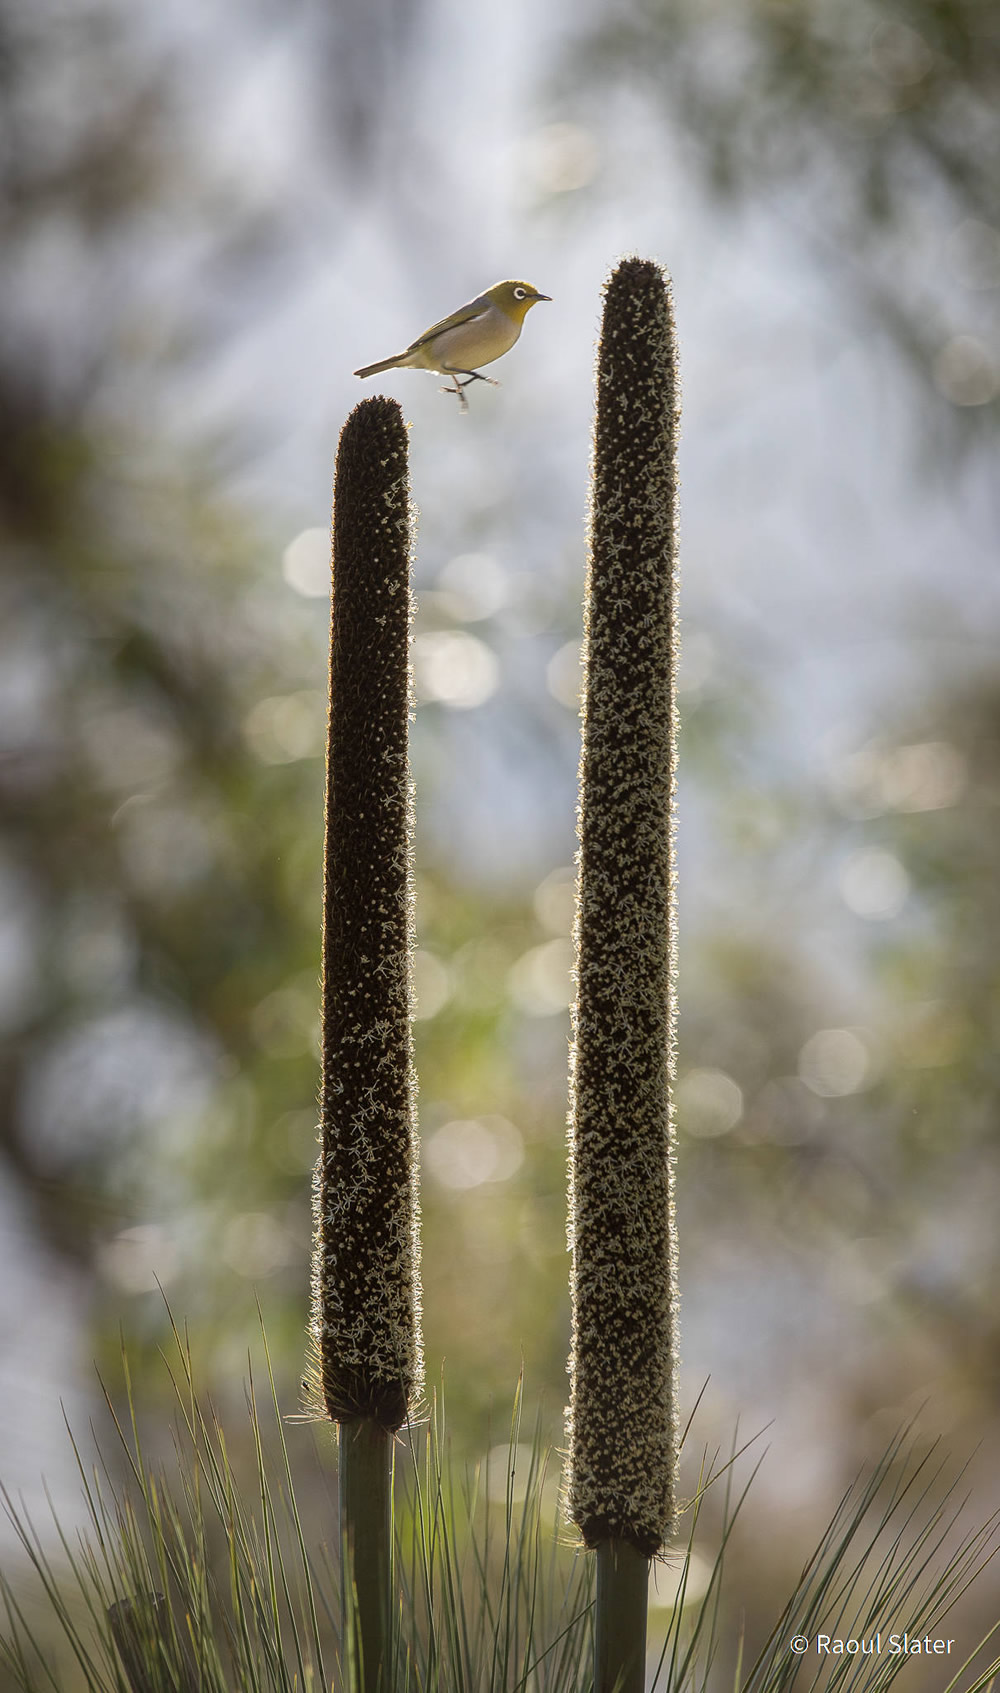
x: 520, y: 293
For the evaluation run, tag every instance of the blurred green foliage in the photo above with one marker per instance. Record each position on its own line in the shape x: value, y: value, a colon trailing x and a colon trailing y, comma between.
x: 161, y: 795
x: 868, y: 127
x: 161, y: 722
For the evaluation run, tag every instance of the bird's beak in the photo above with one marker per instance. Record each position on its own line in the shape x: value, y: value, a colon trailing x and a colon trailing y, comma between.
x: 543, y: 297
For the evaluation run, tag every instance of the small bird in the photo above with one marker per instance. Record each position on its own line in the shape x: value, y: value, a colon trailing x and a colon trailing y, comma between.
x: 476, y: 334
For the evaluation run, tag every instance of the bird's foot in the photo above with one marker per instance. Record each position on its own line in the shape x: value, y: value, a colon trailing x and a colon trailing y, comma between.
x: 463, y: 404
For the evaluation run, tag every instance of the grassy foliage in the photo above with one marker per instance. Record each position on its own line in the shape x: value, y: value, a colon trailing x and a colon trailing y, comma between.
x: 208, y: 1581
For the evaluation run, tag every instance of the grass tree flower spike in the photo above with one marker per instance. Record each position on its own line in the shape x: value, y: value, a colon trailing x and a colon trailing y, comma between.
x: 623, y: 1416
x: 366, y: 1292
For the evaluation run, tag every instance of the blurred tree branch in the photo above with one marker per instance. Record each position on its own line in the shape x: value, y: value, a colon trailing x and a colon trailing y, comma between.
x: 129, y: 664
x: 872, y: 127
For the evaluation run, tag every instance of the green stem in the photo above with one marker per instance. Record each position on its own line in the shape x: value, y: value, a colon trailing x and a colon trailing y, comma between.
x: 620, y: 1618
x: 366, y: 1538
x: 149, y: 1645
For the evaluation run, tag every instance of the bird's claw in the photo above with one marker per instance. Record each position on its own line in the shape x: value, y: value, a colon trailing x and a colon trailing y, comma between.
x: 463, y: 403
x: 460, y: 387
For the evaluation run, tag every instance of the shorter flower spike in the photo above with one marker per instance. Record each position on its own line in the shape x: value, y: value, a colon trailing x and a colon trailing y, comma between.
x: 366, y: 1290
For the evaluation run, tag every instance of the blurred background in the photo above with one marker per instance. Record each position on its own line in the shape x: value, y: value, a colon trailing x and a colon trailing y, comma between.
x: 211, y: 216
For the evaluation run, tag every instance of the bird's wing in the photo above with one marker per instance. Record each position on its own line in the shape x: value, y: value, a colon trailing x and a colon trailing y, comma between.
x: 465, y: 314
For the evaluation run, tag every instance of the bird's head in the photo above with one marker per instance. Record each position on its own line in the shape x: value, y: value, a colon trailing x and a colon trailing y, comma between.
x: 515, y: 298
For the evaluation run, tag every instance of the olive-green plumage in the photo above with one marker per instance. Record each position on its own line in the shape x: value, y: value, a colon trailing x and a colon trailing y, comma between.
x: 478, y: 333
x: 366, y: 1291
x: 622, y: 1420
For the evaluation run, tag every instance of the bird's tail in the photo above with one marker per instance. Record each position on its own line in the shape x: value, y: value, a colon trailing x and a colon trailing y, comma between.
x: 383, y: 364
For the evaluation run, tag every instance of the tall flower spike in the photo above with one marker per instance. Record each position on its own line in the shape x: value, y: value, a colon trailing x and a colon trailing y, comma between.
x: 366, y: 1293
x: 623, y: 1419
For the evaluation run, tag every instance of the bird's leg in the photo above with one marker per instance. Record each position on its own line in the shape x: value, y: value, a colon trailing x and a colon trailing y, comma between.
x: 462, y: 401
x: 477, y: 376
